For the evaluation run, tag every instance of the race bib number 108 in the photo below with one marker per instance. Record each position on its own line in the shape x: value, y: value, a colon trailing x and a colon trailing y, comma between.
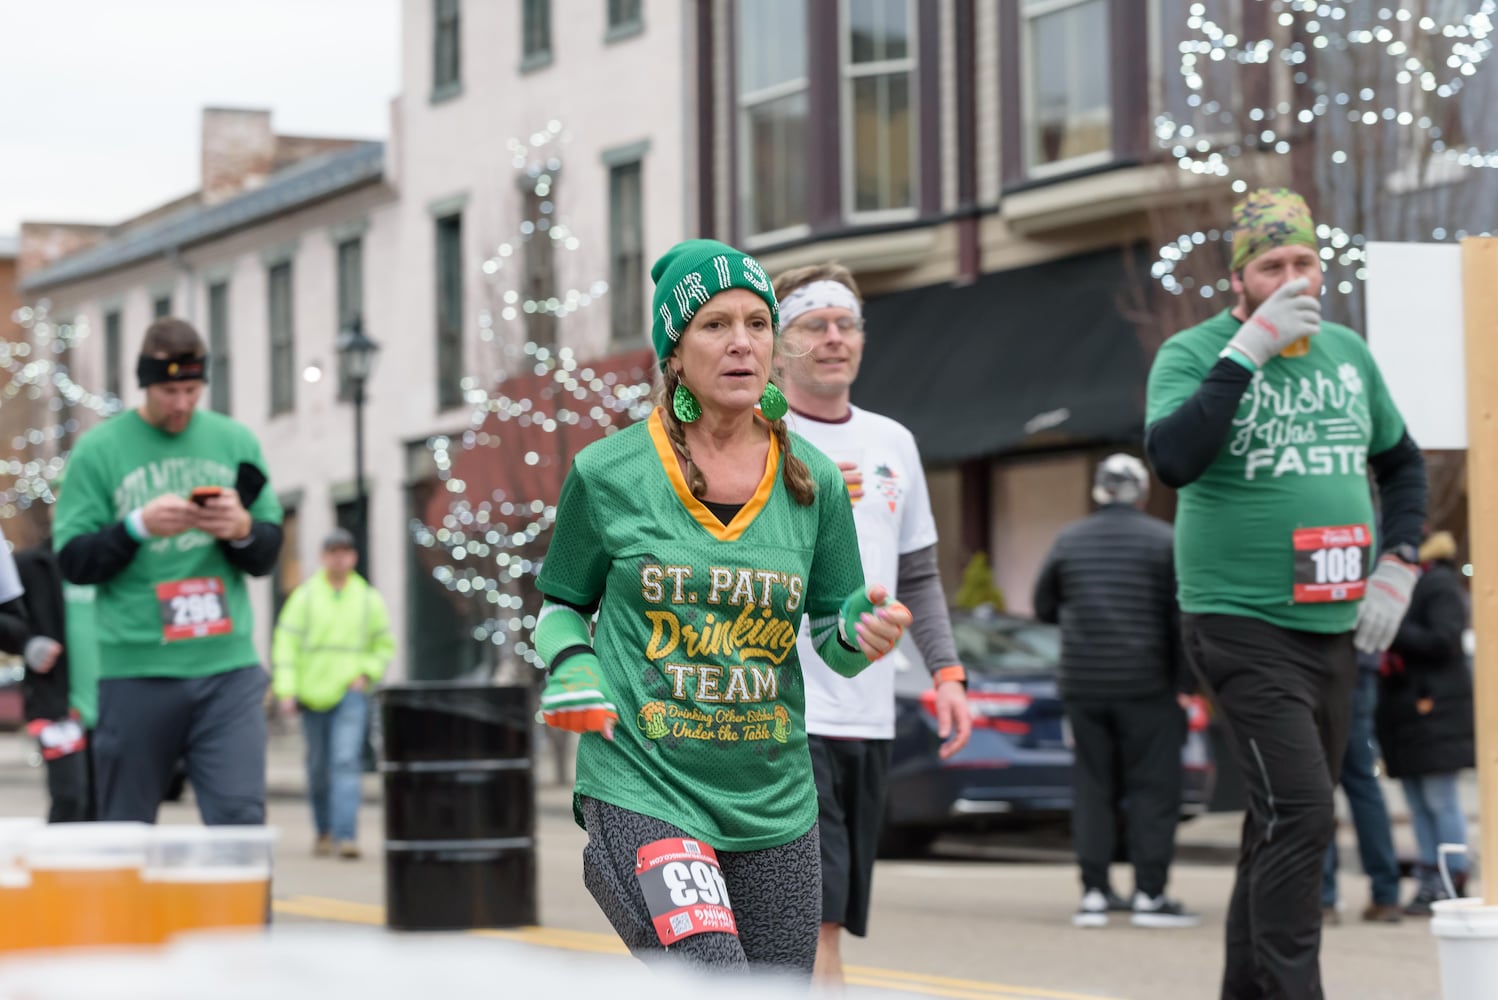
x: 684, y: 889
x: 1331, y: 564
x: 191, y: 609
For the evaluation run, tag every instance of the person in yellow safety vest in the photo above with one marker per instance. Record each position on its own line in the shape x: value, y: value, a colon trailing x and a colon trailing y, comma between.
x: 332, y: 643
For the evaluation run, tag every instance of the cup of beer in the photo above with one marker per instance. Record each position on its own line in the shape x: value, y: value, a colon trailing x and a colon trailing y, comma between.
x: 85, y: 884
x: 15, y: 885
x: 1299, y: 349
x: 208, y: 878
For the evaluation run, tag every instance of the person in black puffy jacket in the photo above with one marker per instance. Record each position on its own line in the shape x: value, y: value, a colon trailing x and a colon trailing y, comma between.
x: 1109, y: 581
x: 1424, y: 717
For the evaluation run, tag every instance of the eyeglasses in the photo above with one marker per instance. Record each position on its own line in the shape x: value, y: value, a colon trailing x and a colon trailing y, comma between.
x: 846, y: 325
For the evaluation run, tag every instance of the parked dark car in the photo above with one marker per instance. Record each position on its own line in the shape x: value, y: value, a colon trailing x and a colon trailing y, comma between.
x: 1016, y: 769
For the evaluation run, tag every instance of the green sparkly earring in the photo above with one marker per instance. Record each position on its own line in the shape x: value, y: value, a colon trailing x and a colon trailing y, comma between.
x: 773, y: 403
x: 685, y: 405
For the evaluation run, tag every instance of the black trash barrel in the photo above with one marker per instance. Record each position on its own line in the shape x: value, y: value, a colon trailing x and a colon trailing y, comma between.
x: 460, y: 819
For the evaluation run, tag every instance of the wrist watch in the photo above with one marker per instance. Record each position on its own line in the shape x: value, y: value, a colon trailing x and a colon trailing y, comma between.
x: 1405, y: 552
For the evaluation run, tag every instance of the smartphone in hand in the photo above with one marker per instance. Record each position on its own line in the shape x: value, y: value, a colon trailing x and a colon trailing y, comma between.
x: 202, y: 494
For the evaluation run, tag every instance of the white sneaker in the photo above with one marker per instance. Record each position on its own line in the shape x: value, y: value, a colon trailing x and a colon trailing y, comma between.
x: 1162, y: 911
x: 1093, y: 912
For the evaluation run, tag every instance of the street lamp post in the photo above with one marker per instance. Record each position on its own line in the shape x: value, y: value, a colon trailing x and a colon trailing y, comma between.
x: 356, y: 357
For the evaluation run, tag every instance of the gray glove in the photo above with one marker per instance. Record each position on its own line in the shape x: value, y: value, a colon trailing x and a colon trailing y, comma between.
x: 41, y: 653
x: 1285, y: 317
x: 1384, y: 605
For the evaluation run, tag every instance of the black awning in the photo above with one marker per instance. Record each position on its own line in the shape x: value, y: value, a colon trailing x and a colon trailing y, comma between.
x: 1033, y: 357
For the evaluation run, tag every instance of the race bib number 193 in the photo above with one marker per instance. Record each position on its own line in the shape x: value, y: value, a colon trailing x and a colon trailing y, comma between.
x: 191, y: 609
x: 684, y: 889
x: 1331, y: 564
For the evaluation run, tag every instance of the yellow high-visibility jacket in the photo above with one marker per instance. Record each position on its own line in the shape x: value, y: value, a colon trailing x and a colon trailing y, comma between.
x: 326, y: 638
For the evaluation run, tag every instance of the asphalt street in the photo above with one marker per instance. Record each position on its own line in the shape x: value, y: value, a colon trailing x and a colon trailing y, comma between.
x: 982, y: 917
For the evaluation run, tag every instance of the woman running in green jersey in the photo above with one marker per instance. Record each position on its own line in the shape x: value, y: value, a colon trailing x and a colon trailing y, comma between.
x: 700, y: 537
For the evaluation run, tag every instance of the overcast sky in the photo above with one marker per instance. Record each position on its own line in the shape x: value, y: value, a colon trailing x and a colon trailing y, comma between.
x: 100, y: 99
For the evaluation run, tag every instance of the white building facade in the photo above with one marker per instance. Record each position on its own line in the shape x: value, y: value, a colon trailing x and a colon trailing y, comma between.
x: 286, y: 243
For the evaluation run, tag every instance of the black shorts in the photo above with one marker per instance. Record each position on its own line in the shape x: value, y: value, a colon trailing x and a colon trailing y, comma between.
x: 852, y: 777
x: 774, y: 893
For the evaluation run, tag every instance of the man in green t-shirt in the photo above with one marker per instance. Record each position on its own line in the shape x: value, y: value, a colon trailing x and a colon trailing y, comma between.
x: 166, y: 512
x: 1268, y: 421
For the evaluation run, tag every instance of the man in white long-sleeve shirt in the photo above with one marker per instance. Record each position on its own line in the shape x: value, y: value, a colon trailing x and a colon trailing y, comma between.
x: 851, y: 723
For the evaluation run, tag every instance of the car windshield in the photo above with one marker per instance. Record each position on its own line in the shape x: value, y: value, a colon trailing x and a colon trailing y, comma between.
x: 1001, y: 645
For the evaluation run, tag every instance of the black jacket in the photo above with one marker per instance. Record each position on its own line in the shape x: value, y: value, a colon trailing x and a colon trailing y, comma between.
x: 1110, y: 582
x: 38, y: 612
x: 1424, y: 715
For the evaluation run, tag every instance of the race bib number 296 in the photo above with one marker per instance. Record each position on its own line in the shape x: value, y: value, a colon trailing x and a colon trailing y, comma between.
x: 191, y: 609
x: 684, y: 889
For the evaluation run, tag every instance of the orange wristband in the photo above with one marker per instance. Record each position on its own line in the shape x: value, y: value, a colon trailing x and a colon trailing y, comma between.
x: 952, y: 673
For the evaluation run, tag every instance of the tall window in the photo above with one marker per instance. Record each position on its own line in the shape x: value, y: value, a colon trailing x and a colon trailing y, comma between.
x: 539, y: 283
x: 282, y: 347
x: 626, y: 253
x: 346, y: 516
x: 350, y: 297
x: 113, y: 353
x: 288, y: 574
x: 1068, y: 99
x: 535, y: 30
x: 220, y: 389
x: 161, y: 306
x: 879, y: 121
x: 773, y: 109
x: 446, y: 48
x: 624, y: 14
x: 449, y: 311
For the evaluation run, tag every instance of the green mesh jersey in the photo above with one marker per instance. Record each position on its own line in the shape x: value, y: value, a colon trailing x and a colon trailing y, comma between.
x: 696, y: 634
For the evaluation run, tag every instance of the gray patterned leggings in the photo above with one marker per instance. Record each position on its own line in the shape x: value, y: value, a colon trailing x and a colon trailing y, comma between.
x: 776, y: 893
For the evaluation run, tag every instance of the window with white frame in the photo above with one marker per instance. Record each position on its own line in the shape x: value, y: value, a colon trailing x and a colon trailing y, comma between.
x: 446, y: 48
x: 879, y: 102
x: 350, y: 253
x: 535, y: 31
x: 114, y: 353
x: 220, y: 392
x: 626, y: 253
x: 1068, y: 99
x: 774, y: 104
x: 282, y: 340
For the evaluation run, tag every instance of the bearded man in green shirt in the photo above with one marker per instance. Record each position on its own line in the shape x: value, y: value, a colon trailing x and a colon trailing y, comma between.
x: 1268, y: 420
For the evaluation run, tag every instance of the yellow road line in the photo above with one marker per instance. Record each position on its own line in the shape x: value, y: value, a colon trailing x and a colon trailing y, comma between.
x: 344, y: 911
x: 950, y: 987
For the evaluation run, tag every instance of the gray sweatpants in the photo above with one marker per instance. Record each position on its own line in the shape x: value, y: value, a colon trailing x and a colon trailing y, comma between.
x: 215, y: 724
x: 776, y: 894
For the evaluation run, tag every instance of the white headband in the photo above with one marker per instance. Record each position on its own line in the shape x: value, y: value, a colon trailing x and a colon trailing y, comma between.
x: 825, y: 294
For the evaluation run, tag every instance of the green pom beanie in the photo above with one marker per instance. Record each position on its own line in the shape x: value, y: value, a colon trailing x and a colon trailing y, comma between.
x: 692, y: 272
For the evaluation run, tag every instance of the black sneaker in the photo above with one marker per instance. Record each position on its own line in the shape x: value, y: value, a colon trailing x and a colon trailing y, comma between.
x: 1093, y: 912
x: 1117, y: 904
x: 1161, y: 911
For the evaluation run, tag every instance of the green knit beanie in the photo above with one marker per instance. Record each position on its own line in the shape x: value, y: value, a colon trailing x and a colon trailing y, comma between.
x: 692, y: 272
